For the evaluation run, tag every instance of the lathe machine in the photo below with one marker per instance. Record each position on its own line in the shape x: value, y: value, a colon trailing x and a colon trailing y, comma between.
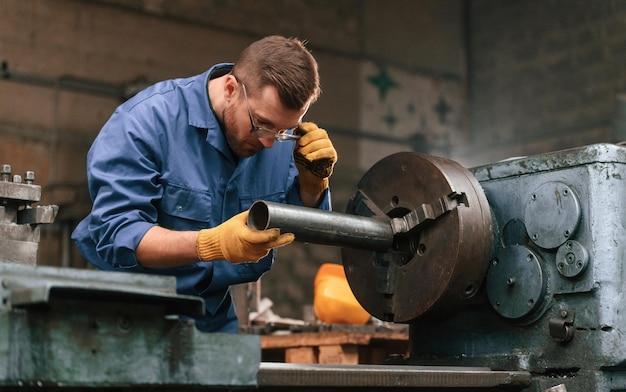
x: 517, y: 265
x: 509, y: 275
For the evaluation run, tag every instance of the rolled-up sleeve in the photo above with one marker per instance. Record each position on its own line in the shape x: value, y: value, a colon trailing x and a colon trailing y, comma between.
x: 124, y: 186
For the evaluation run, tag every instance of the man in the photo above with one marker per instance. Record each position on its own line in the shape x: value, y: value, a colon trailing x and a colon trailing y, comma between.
x: 175, y: 169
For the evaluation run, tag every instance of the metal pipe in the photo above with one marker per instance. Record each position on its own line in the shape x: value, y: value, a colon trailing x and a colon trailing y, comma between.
x: 322, y: 227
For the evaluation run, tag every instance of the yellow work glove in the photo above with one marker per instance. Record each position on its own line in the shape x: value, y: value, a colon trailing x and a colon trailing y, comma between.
x: 315, y: 157
x: 234, y: 241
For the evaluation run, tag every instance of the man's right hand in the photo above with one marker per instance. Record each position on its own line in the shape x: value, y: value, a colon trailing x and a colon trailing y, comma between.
x: 234, y: 241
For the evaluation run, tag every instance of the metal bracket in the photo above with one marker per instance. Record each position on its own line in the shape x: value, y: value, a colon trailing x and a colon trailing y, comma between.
x: 37, y: 215
x: 426, y: 212
x: 562, y: 327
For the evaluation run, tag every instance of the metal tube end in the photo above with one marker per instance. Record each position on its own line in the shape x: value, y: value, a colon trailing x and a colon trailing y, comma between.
x: 259, y: 215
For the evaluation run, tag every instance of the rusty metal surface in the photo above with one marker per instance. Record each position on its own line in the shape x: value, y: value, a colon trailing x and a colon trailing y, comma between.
x: 20, y: 191
x: 553, y: 161
x: 436, y: 268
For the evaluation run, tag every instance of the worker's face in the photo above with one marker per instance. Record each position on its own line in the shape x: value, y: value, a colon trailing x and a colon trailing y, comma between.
x: 267, y: 111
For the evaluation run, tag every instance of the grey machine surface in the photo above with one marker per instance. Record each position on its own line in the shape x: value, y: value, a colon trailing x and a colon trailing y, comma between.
x: 512, y: 266
x: 74, y: 329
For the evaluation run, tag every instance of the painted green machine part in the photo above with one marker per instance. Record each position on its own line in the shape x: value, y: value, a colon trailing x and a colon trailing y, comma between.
x: 62, y: 327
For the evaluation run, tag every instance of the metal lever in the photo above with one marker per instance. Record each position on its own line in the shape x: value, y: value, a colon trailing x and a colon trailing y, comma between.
x: 562, y: 328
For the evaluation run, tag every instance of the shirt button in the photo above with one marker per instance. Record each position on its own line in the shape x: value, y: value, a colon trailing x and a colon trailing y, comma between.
x: 179, y: 208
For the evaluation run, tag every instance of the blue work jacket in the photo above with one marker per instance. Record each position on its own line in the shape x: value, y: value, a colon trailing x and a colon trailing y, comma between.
x: 162, y: 159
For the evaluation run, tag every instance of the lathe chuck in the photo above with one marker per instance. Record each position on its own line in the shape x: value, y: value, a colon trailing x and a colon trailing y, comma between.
x: 434, y: 268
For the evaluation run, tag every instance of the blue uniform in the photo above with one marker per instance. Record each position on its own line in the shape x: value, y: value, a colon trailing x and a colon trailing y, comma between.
x: 162, y: 159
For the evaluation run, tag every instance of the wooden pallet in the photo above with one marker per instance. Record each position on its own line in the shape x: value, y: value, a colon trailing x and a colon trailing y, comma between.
x: 340, y: 347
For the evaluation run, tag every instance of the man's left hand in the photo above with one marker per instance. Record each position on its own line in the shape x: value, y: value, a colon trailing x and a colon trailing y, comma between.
x: 315, y: 157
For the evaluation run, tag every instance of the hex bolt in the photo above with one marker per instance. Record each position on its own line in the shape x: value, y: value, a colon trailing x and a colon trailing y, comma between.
x: 17, y: 179
x: 29, y: 176
x: 395, y: 200
x: 124, y: 323
x: 5, y: 173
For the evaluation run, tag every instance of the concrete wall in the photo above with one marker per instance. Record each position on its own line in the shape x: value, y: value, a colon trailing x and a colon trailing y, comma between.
x: 69, y: 63
x: 543, y: 76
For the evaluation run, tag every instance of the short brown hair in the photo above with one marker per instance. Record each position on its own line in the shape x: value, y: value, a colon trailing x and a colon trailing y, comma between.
x: 284, y: 63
